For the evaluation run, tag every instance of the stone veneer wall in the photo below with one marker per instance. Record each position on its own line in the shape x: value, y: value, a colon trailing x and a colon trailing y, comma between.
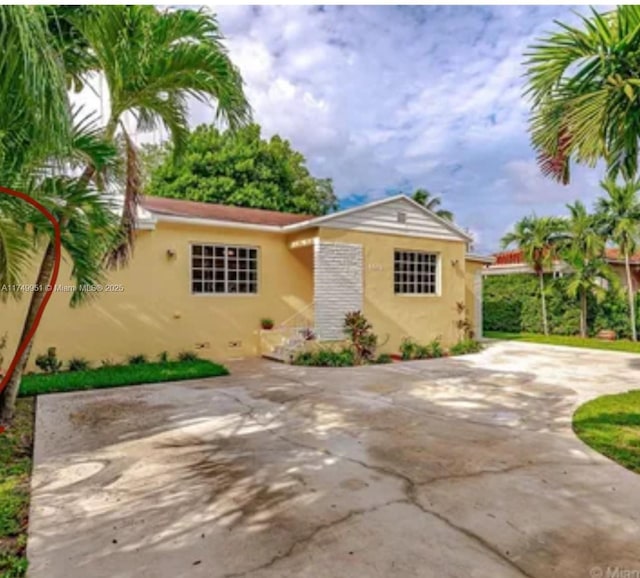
x: 338, y: 286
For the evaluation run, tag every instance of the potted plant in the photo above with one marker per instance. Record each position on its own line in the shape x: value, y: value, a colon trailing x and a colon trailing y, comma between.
x: 266, y: 323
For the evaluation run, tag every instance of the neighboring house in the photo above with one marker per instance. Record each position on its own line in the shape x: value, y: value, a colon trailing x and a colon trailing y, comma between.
x: 512, y: 262
x: 203, y: 275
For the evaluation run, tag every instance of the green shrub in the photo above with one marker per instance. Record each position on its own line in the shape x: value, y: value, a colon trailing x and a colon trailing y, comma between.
x: 435, y: 348
x: 466, y: 346
x: 49, y: 362
x: 139, y: 359
x: 78, y: 364
x: 383, y: 358
x: 188, y: 356
x: 163, y: 357
x: 326, y: 357
x: 408, y: 348
x: 511, y: 304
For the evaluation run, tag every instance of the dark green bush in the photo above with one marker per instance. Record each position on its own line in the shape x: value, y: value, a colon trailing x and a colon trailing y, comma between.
x: 139, y: 359
x: 410, y: 349
x: 78, y: 364
x: 383, y: 358
x: 511, y: 303
x: 326, y: 357
x: 49, y: 362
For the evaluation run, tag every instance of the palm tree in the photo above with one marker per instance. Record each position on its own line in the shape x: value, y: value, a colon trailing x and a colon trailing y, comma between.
x: 34, y: 110
x: 34, y: 120
x: 619, y: 215
x: 90, y: 230
x: 585, y: 93
x: 536, y: 238
x: 153, y: 61
x: 431, y: 202
x: 582, y: 249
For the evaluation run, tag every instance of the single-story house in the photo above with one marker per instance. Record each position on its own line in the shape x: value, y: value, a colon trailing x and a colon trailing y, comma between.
x: 203, y: 276
x: 513, y: 262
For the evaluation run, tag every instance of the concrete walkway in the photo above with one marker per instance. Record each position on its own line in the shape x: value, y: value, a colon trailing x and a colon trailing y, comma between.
x: 461, y: 467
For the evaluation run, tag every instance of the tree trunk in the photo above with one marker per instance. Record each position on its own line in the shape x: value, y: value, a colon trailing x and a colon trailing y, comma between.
x: 631, y: 297
x: 545, y: 324
x: 583, y: 314
x: 10, y: 393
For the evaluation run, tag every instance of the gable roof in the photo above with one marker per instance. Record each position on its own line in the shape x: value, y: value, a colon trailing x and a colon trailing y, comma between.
x: 227, y: 213
x: 356, y: 217
x: 377, y: 216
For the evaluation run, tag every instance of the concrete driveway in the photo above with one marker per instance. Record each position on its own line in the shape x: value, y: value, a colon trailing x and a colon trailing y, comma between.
x: 460, y: 467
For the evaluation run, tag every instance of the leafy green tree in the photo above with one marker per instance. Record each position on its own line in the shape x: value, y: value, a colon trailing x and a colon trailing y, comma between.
x: 619, y: 214
x: 583, y: 251
x: 536, y: 237
x: 240, y: 169
x: 584, y: 84
x: 431, y: 202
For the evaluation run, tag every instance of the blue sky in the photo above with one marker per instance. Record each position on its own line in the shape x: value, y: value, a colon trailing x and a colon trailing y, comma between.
x: 385, y: 99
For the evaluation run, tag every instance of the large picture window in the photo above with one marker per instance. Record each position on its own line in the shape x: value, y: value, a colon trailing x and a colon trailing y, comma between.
x: 415, y: 272
x: 223, y: 269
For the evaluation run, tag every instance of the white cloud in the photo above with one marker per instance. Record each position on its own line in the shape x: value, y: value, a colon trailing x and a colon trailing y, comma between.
x: 386, y: 98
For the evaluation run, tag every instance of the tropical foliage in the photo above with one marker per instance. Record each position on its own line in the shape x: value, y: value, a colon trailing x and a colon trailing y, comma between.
x: 240, y: 169
x: 152, y: 62
x: 536, y: 238
x: 584, y: 86
x: 619, y: 217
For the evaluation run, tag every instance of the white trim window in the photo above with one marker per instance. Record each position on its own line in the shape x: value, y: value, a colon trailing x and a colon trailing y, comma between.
x: 223, y: 269
x: 415, y: 273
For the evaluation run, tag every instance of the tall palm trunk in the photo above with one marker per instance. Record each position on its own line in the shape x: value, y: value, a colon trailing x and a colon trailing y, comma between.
x: 631, y: 297
x: 583, y: 313
x: 10, y: 393
x: 545, y: 324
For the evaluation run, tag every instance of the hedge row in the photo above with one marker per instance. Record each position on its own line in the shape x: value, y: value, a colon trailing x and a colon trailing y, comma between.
x: 511, y: 303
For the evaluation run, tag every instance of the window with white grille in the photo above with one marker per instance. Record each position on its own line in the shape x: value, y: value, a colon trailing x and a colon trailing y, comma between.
x: 223, y: 269
x: 415, y: 272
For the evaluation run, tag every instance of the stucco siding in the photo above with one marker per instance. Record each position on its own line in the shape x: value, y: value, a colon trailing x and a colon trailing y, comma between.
x: 156, y: 310
x: 394, y: 316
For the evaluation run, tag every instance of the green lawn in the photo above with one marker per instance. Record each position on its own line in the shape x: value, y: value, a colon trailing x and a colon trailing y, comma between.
x: 611, y: 425
x: 568, y: 340
x: 119, y: 375
x: 15, y: 469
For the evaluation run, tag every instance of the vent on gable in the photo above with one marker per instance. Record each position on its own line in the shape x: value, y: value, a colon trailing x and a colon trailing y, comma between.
x: 402, y: 217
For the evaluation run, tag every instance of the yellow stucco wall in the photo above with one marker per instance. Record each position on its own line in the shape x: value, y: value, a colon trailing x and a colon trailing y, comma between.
x: 156, y: 311
x: 423, y: 317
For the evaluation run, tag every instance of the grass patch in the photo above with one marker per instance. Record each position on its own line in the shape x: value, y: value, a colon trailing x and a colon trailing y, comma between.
x: 568, y: 340
x: 611, y: 425
x: 15, y: 469
x: 119, y: 375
